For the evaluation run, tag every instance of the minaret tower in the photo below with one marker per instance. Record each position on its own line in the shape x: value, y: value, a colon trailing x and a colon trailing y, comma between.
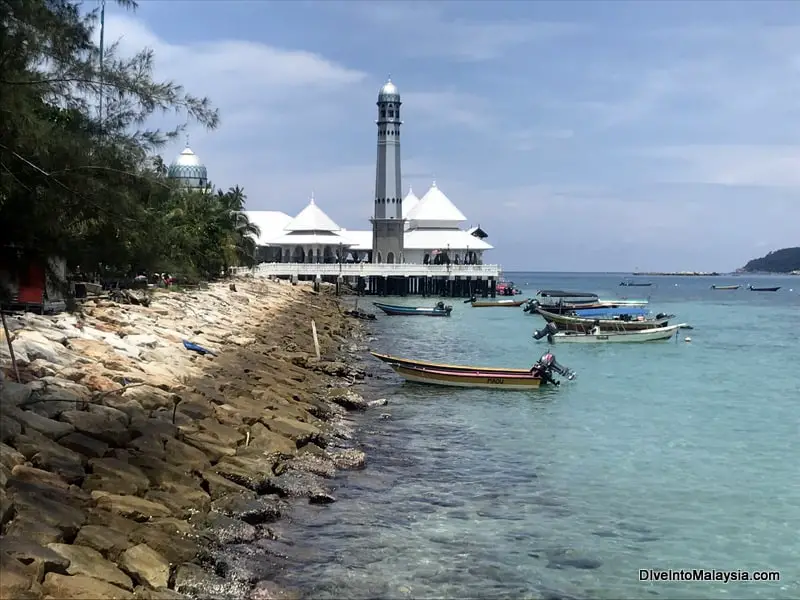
x: 387, y: 222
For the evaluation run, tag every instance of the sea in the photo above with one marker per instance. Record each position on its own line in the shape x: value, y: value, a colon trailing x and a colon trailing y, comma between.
x: 659, y: 465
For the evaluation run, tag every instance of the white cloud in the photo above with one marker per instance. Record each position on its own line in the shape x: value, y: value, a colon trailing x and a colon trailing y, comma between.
x: 426, y: 29
x: 732, y: 165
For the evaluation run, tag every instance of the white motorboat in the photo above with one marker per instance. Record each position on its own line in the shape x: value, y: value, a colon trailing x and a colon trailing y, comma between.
x: 610, y: 337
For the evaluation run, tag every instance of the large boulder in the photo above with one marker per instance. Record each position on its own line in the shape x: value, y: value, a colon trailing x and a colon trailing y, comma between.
x: 84, y: 560
x: 146, y: 565
x: 82, y: 587
x: 131, y: 507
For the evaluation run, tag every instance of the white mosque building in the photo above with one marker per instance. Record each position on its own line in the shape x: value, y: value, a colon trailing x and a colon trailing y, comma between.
x: 406, y: 229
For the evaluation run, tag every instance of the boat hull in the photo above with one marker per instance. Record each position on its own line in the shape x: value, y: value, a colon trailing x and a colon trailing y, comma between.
x: 764, y: 289
x: 725, y: 287
x: 481, y: 380
x: 389, y: 359
x: 498, y: 303
x: 420, y: 311
x: 611, y: 337
x: 584, y: 325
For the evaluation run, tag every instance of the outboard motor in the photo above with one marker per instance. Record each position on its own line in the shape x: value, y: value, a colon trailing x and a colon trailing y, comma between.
x: 530, y: 305
x: 661, y: 315
x: 547, y: 365
x: 440, y: 305
x: 548, y: 330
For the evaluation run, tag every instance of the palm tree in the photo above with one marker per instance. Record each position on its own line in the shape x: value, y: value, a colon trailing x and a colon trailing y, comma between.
x: 240, y: 245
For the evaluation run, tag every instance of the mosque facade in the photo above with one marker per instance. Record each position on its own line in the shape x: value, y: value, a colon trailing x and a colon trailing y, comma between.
x: 408, y: 229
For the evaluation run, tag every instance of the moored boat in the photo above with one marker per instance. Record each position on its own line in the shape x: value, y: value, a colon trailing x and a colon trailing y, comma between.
x: 440, y: 310
x: 542, y: 372
x: 725, y: 287
x: 763, y: 289
x: 497, y: 303
x: 582, y: 324
x: 597, y: 336
x: 635, y: 283
x: 565, y: 302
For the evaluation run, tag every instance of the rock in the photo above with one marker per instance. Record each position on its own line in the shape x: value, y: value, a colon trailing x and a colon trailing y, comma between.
x: 131, y: 408
x: 225, y: 435
x: 99, y: 383
x: 88, y: 561
x: 142, y: 340
x: 27, y: 527
x: 47, y: 506
x: 108, y: 542
x: 268, y: 441
x: 266, y: 590
x: 81, y: 587
x: 149, y: 397
x: 112, y: 520
x: 143, y: 593
x: 309, y: 463
x: 6, y: 507
x: 106, y: 426
x: 10, y: 428
x: 219, y: 486
x: 48, y: 427
x: 193, y: 581
x: 83, y: 444
x: 16, y: 581
x: 181, y: 500
x: 378, y: 402
x: 297, y: 484
x: 9, y: 457
x: 146, y: 565
x: 34, y: 475
x: 167, y: 539
x: 208, y: 445
x: 348, y: 459
x: 112, y: 475
x: 179, y: 453
x: 66, y: 463
x: 13, y: 393
x: 161, y: 474
x: 297, y: 431
x: 255, y: 480
x: 226, y: 530
x: 132, y: 507
x: 250, y: 509
x: 348, y: 399
x: 43, y: 560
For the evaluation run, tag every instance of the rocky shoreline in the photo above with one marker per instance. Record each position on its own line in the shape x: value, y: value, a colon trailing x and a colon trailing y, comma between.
x: 132, y: 467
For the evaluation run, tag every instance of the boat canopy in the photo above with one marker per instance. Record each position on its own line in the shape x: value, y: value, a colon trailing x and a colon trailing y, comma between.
x: 562, y: 294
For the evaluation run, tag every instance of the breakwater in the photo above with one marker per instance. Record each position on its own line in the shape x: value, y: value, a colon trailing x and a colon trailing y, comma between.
x: 132, y: 467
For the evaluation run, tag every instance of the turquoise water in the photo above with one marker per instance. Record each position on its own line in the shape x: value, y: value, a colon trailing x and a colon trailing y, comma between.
x: 668, y: 455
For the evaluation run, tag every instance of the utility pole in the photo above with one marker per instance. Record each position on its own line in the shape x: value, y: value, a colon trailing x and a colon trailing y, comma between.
x: 102, y: 36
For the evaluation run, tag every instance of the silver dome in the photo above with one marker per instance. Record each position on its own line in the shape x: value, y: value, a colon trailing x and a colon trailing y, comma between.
x: 389, y: 91
x: 188, y: 169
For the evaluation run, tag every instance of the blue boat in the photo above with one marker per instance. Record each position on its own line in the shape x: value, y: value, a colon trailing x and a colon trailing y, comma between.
x: 617, y: 311
x: 440, y: 310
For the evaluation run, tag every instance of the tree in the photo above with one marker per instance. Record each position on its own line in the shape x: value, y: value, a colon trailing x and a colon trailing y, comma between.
x: 87, y: 186
x: 73, y: 183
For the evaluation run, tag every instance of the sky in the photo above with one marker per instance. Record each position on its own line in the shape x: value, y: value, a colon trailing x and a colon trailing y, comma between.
x: 581, y: 136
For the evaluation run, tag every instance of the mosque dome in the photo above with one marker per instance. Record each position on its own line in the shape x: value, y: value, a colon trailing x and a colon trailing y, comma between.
x: 388, y: 92
x: 188, y: 169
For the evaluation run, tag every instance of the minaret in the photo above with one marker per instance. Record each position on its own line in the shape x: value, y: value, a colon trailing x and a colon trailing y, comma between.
x: 387, y: 223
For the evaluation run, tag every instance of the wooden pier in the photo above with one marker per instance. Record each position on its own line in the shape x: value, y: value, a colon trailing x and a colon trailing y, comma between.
x: 382, y: 279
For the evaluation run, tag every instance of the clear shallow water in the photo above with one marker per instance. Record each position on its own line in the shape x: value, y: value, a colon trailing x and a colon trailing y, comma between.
x: 657, y: 456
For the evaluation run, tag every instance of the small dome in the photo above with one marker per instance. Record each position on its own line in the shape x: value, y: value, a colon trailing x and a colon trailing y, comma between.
x: 389, y: 89
x: 188, y: 168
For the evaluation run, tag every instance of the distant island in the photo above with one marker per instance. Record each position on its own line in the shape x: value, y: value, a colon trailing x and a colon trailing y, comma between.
x: 786, y: 260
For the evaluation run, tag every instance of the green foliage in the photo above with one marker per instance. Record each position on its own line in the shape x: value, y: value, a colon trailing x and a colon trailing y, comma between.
x: 779, y: 261
x: 89, y: 187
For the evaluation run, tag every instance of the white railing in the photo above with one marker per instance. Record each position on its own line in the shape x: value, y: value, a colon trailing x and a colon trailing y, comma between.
x: 368, y: 270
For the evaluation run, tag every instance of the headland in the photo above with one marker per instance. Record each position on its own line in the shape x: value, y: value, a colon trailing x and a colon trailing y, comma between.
x: 132, y: 466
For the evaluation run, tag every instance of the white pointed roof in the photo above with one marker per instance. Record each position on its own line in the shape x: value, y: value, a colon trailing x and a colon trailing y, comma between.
x: 436, y: 207
x: 312, y: 218
x: 409, y: 202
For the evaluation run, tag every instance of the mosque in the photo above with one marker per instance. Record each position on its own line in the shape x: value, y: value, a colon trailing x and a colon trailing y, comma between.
x: 406, y: 229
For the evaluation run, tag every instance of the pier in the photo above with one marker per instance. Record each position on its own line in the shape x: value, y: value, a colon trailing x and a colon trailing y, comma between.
x: 387, y: 279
